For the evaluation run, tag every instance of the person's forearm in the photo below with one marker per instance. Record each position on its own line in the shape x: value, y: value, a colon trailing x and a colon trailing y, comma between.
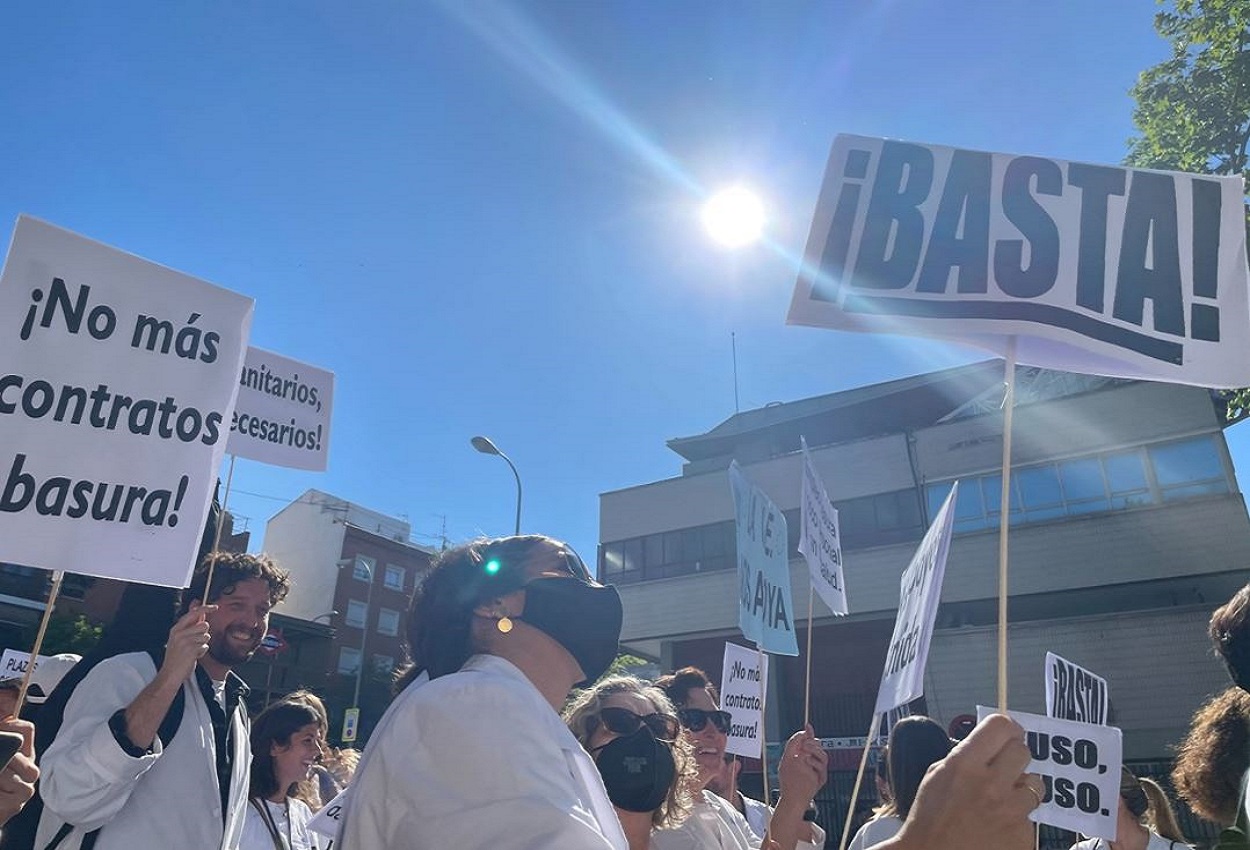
x: 787, y: 826
x: 145, y: 714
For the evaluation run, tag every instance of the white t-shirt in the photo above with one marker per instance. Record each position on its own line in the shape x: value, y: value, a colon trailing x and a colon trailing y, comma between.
x: 875, y: 831
x: 294, y: 833
x: 1155, y: 842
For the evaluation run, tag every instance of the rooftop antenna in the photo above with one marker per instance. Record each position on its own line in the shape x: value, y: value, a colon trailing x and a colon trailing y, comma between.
x: 733, y: 341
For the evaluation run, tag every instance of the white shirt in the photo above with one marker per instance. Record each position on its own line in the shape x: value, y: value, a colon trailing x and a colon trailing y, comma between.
x: 714, y: 824
x: 875, y: 831
x: 293, y: 833
x: 477, y: 759
x: 166, y: 798
x: 1155, y: 842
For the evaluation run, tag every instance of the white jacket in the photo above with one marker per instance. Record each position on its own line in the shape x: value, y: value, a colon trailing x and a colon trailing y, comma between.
x: 714, y: 824
x: 168, y: 798
x: 477, y: 759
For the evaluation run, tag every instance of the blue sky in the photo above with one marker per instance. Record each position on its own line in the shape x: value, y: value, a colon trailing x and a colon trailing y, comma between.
x: 483, y: 216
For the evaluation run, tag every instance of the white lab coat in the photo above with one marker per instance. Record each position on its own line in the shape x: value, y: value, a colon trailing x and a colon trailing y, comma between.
x: 477, y: 759
x: 168, y: 798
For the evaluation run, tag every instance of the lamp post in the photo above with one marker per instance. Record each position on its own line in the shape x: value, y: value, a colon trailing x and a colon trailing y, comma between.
x: 486, y: 447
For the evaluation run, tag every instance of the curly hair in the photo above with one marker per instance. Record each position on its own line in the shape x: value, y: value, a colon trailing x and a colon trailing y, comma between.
x: 439, y: 628
x: 677, y: 686
x: 231, y: 568
x: 581, y: 715
x: 1213, y: 756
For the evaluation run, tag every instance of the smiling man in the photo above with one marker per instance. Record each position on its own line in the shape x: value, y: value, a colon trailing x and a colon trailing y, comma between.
x: 154, y: 751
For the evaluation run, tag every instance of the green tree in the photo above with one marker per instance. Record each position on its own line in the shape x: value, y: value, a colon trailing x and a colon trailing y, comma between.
x: 69, y: 633
x: 1193, y: 109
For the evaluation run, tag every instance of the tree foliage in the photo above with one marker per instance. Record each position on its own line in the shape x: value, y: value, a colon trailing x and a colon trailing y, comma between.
x: 69, y: 633
x: 1193, y: 109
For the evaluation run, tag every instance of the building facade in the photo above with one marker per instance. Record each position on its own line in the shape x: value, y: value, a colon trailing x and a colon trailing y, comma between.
x: 353, y: 569
x: 1127, y: 529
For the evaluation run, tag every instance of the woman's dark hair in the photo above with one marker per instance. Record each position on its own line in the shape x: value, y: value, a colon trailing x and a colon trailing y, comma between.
x: 677, y: 686
x: 1213, y: 756
x: 440, y: 618
x: 915, y: 744
x: 275, y: 725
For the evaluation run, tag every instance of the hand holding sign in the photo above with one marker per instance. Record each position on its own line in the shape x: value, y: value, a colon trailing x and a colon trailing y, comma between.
x: 977, y: 797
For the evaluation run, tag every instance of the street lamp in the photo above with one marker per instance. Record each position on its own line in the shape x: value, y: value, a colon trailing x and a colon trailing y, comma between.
x: 486, y: 447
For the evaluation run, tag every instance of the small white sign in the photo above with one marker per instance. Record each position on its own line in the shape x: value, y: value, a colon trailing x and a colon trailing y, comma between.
x: 1080, y: 766
x: 326, y: 822
x: 282, y: 416
x: 820, y: 541
x: 351, y: 719
x: 117, y: 384
x: 742, y: 693
x: 1074, y: 693
x: 920, y: 588
x: 13, y: 663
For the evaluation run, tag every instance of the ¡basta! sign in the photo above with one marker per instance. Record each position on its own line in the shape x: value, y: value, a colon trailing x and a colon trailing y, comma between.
x: 1093, y: 268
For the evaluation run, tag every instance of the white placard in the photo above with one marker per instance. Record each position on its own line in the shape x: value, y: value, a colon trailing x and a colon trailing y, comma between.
x: 820, y: 541
x: 742, y: 693
x: 326, y: 821
x: 1080, y: 766
x: 1093, y: 268
x: 920, y: 588
x: 116, y: 390
x: 765, y: 608
x: 1074, y: 693
x: 13, y: 663
x: 282, y: 415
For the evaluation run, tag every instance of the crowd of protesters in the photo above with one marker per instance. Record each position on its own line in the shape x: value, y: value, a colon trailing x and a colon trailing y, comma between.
x: 506, y: 733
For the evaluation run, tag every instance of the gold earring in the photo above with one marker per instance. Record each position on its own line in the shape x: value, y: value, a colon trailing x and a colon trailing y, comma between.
x: 504, y: 624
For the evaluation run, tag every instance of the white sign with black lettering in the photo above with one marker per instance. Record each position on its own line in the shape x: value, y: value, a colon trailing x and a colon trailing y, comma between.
x: 820, y: 541
x: 282, y: 415
x: 1080, y: 766
x: 743, y: 686
x: 326, y: 821
x: 920, y: 588
x: 1098, y: 269
x: 13, y: 663
x: 117, y: 385
x: 1074, y: 693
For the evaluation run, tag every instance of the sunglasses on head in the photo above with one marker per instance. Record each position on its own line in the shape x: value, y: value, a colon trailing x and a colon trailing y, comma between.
x: 622, y: 721
x: 695, y: 719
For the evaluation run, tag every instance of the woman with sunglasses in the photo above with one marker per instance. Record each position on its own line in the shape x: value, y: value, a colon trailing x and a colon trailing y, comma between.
x: 472, y: 752
x: 630, y: 729
x: 713, y: 822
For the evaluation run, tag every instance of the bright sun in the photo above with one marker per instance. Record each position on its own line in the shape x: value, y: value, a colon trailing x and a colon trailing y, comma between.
x: 734, y: 217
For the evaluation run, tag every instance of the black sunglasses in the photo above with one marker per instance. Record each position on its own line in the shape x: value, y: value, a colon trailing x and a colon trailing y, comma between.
x: 622, y: 721
x: 695, y: 719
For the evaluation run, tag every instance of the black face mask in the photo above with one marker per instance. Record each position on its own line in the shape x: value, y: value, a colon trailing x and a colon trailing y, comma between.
x: 584, y: 619
x: 637, y: 771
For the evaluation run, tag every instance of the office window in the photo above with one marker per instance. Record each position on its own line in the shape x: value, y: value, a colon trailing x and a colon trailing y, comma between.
x: 362, y: 568
x: 388, y: 622
x: 357, y: 611
x: 349, y: 660
x: 394, y: 577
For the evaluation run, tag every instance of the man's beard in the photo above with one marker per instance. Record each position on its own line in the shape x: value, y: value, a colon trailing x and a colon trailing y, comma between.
x: 224, y: 652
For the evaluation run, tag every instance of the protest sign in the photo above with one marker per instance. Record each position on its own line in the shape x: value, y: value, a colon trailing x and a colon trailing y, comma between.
x: 820, y: 542
x: 764, y: 604
x: 1080, y: 767
x: 1074, y: 693
x: 282, y: 415
x: 327, y: 820
x: 919, y: 591
x: 1093, y: 268
x: 118, y: 379
x: 743, y: 686
x: 13, y: 663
